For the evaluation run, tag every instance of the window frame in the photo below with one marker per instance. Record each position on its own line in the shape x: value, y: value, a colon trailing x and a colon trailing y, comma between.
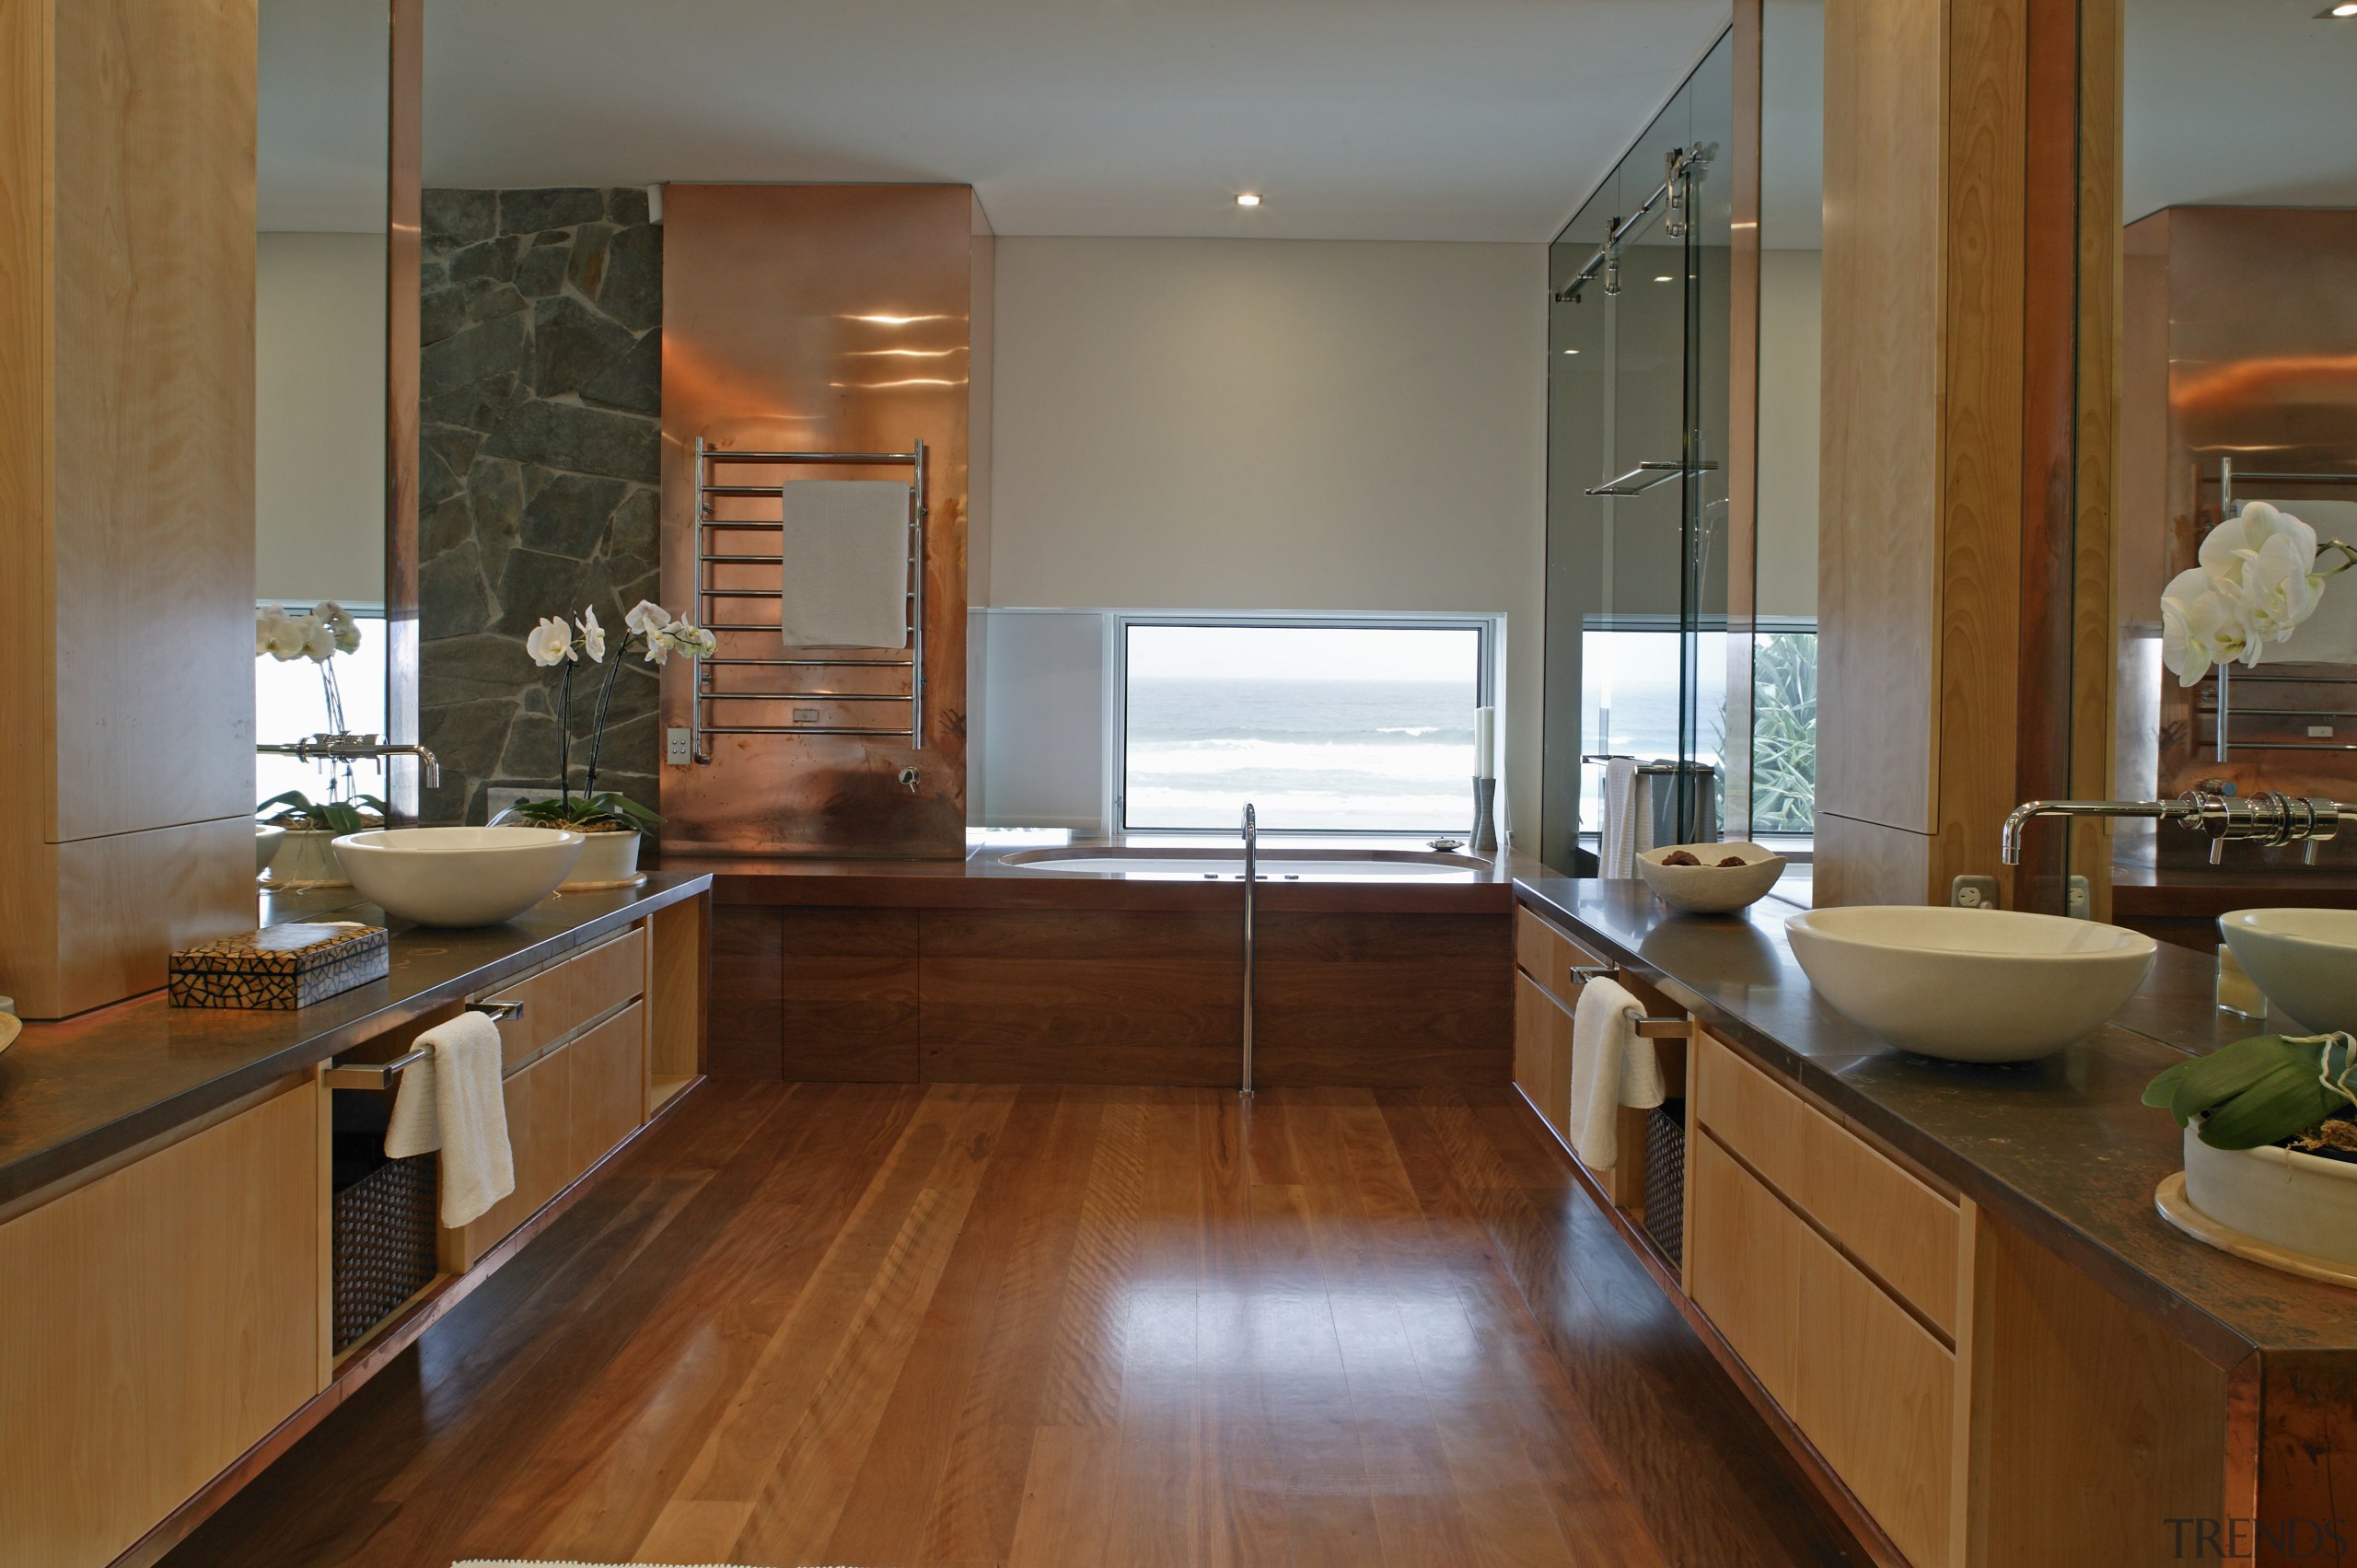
x: 1489, y: 630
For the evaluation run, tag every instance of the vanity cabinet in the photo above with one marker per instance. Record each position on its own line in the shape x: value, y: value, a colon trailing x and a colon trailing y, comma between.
x: 155, y: 1324
x: 1831, y: 1271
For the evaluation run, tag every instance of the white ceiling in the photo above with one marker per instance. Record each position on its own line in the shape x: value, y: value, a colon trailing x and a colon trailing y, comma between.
x: 2252, y: 102
x: 1484, y: 120
x: 320, y: 134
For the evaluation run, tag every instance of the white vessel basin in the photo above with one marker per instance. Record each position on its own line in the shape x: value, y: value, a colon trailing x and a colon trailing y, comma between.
x: 457, y: 876
x: 2304, y: 959
x: 1970, y: 985
x: 266, y: 839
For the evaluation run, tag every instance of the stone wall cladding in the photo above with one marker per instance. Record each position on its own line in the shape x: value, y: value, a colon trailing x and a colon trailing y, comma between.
x: 540, y: 401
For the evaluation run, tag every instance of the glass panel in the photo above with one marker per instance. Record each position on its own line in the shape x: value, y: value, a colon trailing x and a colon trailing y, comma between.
x: 1321, y: 729
x: 290, y: 703
x: 1637, y: 579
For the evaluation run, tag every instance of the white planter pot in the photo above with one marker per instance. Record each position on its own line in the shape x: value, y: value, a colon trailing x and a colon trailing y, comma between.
x: 307, y: 857
x: 2299, y: 1202
x: 605, y: 857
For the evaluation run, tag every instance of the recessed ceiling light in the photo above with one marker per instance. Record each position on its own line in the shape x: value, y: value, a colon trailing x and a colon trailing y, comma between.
x: 1247, y: 199
x: 1665, y: 278
x: 1571, y: 351
x: 2348, y: 9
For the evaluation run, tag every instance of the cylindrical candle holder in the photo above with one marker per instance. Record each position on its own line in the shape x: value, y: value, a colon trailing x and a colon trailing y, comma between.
x: 1485, y: 826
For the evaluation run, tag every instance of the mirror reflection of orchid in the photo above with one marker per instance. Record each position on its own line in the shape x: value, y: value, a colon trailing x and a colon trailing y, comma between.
x: 320, y: 634
x: 2258, y: 582
x: 652, y: 633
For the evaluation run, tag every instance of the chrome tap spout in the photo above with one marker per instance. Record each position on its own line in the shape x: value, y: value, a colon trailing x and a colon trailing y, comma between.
x: 348, y: 747
x: 2211, y: 809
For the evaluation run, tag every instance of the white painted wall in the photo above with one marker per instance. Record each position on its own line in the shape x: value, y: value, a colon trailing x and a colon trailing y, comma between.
x: 1199, y: 424
x: 1790, y: 343
x: 320, y: 416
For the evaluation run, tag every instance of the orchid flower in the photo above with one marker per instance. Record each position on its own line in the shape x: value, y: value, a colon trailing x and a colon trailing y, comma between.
x: 593, y: 636
x: 2257, y: 583
x: 550, y: 642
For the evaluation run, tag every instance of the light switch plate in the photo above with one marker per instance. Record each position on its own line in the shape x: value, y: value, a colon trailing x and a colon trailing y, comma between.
x: 675, y: 746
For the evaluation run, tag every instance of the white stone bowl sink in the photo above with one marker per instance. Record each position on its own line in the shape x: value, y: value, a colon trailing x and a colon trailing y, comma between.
x: 266, y: 838
x: 1970, y: 985
x: 2304, y: 959
x: 457, y: 876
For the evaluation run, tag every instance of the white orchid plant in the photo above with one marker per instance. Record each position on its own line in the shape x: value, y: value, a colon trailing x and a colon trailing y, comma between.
x: 326, y: 630
x: 2259, y: 580
x: 652, y: 632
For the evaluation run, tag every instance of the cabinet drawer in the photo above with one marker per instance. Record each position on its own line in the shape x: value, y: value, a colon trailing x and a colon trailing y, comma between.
x: 1547, y: 956
x: 566, y: 1110
x: 1902, y: 1230
x: 1859, y: 1376
x: 1542, y: 1053
x: 570, y: 993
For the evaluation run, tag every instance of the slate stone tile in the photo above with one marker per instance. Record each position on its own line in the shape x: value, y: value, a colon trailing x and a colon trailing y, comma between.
x: 453, y: 448
x: 632, y: 380
x: 453, y: 218
x: 490, y: 348
x: 525, y: 211
x: 532, y: 750
x: 446, y: 524
x: 626, y: 205
x: 581, y: 440
x: 440, y: 313
x: 571, y: 345
x: 568, y: 517
x: 492, y: 259
x: 467, y: 736
x: 450, y: 597
x: 534, y: 584
x: 633, y: 535
x: 541, y: 273
x: 480, y: 406
x: 487, y: 297
x: 588, y: 269
x: 632, y: 291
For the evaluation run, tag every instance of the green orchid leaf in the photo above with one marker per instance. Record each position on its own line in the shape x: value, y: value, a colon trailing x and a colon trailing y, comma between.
x: 2228, y: 1071
x: 2288, y: 1099
x: 2163, y: 1089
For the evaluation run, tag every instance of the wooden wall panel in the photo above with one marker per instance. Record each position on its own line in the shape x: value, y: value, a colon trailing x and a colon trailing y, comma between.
x: 126, y: 482
x: 747, y: 994
x: 1383, y: 1001
x: 679, y: 996
x: 850, y: 996
x: 2095, y: 575
x: 153, y: 1325
x: 1104, y: 997
x: 1878, y: 502
x: 406, y: 153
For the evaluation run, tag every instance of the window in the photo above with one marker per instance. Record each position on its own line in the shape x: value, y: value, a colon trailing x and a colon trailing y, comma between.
x: 290, y: 703
x: 1323, y: 727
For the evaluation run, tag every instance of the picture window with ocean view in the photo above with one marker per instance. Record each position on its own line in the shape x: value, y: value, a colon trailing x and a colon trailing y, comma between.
x: 1364, y: 727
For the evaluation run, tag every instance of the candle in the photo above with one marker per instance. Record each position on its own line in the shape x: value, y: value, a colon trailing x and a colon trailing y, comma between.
x: 1485, y: 743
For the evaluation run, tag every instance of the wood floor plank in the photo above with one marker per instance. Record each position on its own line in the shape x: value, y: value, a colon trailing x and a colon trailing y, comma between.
x: 951, y: 1325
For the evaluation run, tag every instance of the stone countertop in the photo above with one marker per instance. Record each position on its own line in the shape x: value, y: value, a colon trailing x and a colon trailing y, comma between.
x: 80, y: 1091
x: 2062, y: 1148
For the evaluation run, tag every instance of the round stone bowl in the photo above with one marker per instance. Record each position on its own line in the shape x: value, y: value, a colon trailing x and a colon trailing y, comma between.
x: 1709, y: 887
x: 457, y: 876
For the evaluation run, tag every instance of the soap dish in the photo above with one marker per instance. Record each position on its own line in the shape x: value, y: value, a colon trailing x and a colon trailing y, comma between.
x: 280, y: 967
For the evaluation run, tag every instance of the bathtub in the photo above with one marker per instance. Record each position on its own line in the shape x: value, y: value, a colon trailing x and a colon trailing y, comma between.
x: 1275, y: 864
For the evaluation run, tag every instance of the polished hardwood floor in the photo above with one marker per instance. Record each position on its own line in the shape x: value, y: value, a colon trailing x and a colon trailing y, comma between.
x: 912, y: 1325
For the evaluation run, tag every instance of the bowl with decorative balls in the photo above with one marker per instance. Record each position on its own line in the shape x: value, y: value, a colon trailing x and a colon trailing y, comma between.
x: 1709, y: 879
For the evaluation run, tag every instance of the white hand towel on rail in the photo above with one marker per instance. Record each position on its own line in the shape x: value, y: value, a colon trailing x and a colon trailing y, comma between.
x: 452, y: 1101
x: 846, y: 563
x: 1628, y: 819
x: 1613, y: 1065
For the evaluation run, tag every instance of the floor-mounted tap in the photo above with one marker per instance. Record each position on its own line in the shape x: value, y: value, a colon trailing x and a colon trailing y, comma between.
x: 2210, y: 807
x: 348, y: 747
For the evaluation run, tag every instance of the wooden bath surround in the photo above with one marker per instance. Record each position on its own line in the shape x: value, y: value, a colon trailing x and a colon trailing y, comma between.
x: 975, y: 971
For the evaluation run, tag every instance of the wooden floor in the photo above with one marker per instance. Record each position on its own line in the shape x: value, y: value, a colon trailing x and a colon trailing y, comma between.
x: 945, y: 1325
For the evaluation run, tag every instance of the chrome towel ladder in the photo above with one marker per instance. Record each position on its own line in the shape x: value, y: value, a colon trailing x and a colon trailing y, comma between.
x: 711, y: 529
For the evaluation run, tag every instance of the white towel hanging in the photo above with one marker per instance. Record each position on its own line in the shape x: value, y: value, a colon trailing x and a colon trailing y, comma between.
x: 453, y: 1101
x: 1613, y: 1065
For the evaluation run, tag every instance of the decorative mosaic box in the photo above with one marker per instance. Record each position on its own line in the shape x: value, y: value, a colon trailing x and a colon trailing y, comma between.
x: 283, y: 966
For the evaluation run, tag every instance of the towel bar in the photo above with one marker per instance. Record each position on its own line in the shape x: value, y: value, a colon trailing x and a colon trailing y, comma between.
x: 380, y: 1075
x: 1583, y: 973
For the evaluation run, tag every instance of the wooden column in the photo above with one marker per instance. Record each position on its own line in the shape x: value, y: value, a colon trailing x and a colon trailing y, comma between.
x: 1965, y: 437
x: 126, y: 490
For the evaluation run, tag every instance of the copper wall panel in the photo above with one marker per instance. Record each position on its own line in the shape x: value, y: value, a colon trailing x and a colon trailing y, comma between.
x: 2241, y: 342
x: 405, y: 153
x: 821, y: 318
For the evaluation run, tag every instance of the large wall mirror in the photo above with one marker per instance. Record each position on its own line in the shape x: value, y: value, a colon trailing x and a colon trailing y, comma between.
x: 324, y: 493
x: 2238, y: 389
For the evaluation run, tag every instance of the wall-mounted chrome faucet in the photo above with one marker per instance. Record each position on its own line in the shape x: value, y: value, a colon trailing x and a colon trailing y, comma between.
x: 2268, y: 818
x: 345, y: 746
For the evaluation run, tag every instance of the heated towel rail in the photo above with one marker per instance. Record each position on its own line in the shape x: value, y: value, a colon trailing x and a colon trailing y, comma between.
x: 712, y: 685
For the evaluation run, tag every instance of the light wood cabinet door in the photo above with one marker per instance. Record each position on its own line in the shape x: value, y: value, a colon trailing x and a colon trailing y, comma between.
x: 1743, y: 1258
x: 1542, y: 1053
x: 568, y: 993
x: 153, y: 1326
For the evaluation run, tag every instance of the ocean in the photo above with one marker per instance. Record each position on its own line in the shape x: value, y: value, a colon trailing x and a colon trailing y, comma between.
x: 1310, y: 755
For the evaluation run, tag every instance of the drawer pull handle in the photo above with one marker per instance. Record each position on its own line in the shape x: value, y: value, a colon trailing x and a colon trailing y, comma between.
x: 1668, y: 1027
x: 1582, y: 973
x: 380, y: 1075
x: 368, y: 1074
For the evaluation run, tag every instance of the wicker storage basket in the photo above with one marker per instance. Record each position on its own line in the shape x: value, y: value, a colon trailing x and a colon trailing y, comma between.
x: 385, y: 1226
x: 1665, y: 1177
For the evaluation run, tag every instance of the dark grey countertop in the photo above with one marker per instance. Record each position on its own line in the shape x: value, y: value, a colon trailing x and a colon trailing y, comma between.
x: 76, y: 1092
x: 2062, y: 1148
